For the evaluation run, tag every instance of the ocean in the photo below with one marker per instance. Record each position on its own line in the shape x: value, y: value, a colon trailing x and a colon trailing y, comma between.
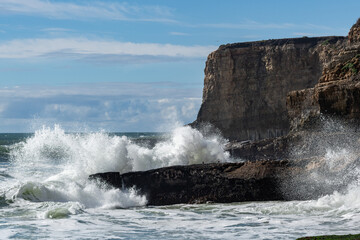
x: 45, y: 192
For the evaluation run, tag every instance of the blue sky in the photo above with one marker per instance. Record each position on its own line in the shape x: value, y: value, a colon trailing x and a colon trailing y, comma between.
x: 132, y: 65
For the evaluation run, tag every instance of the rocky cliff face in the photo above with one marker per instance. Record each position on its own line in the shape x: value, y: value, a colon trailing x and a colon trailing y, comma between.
x: 323, y: 117
x: 338, y: 92
x: 246, y: 84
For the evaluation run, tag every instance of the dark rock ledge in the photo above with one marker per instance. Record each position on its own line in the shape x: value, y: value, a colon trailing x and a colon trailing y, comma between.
x: 228, y: 182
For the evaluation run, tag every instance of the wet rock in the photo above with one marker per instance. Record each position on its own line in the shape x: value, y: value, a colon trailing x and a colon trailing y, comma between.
x: 229, y: 182
x: 197, y: 184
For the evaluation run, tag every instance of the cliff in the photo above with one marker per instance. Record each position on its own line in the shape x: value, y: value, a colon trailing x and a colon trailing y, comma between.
x: 325, y: 116
x: 246, y: 84
x: 337, y: 94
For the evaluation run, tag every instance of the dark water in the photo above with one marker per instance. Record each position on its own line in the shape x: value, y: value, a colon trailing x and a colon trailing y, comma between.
x: 8, y: 139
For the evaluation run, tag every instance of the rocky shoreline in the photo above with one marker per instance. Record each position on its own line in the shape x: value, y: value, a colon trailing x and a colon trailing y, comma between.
x: 323, y: 115
x: 264, y: 180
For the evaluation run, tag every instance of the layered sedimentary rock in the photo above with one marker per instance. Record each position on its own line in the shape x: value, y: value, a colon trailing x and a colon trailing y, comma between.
x: 246, y: 84
x: 322, y: 117
x: 325, y: 116
x: 337, y: 94
x: 354, y: 33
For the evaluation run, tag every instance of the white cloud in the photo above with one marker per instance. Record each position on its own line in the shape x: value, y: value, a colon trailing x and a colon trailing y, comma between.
x: 82, y: 48
x: 165, y: 100
x: 108, y: 106
x: 161, y: 92
x: 2, y: 107
x: 87, y: 10
x: 57, y: 30
x: 188, y: 109
x: 170, y: 113
x: 66, y: 110
x: 122, y: 115
x: 179, y: 34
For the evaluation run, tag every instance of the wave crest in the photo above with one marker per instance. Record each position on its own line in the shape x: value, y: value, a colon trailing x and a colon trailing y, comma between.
x: 53, y: 166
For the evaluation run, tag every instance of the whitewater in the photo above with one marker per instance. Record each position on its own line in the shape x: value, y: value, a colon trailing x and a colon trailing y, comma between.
x: 45, y: 191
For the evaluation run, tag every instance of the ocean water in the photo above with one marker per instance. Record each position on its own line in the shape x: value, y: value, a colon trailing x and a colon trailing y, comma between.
x: 45, y: 192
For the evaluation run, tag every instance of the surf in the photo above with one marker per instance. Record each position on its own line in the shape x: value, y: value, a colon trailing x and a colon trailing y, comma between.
x: 53, y: 166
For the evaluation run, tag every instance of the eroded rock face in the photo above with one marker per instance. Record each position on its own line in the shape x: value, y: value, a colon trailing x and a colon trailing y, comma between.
x: 338, y: 92
x: 354, y: 34
x: 246, y: 84
x: 338, y: 99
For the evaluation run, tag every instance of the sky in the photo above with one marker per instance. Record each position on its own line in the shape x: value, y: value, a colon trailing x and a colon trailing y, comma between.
x: 133, y: 66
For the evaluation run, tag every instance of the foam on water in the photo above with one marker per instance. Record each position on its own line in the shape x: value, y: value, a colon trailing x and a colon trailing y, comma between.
x: 53, y: 166
x: 48, y: 179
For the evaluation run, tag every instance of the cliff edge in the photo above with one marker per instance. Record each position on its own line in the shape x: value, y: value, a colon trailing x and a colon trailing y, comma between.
x: 246, y: 84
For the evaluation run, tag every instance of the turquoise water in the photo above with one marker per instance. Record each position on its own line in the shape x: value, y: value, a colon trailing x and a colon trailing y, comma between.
x: 45, y: 193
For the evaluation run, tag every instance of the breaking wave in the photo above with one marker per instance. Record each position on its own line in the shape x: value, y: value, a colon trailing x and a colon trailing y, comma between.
x: 53, y: 166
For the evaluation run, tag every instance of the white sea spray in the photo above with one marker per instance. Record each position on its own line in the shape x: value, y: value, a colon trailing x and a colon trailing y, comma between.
x: 54, y: 166
x: 334, y: 148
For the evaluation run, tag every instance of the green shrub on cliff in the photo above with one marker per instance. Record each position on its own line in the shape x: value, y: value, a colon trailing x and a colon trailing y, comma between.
x: 350, y: 66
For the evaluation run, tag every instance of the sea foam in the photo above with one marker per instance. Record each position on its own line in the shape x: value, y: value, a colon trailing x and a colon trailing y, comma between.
x: 53, y: 166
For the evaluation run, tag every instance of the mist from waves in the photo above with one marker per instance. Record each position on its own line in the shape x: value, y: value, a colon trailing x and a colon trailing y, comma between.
x: 334, y: 147
x: 51, y: 168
